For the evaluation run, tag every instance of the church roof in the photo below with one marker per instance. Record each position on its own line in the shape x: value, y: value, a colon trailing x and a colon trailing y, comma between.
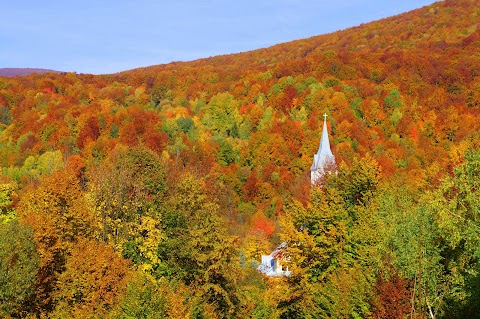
x: 324, y: 153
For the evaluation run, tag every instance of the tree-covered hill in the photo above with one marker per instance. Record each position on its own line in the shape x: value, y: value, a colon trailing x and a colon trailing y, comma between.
x: 23, y: 71
x: 154, y: 192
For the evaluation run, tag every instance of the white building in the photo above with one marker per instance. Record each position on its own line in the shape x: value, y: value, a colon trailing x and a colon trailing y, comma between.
x: 323, y: 161
x: 271, y: 265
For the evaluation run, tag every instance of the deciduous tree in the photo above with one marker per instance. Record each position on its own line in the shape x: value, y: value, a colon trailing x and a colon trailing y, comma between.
x: 18, y: 269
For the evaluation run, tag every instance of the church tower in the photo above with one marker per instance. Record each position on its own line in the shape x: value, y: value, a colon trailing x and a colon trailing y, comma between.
x: 324, y: 160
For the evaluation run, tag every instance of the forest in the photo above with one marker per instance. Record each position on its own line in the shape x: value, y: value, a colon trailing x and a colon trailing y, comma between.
x: 153, y: 192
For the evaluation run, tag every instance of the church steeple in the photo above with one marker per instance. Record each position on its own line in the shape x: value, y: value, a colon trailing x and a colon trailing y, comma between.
x: 324, y: 156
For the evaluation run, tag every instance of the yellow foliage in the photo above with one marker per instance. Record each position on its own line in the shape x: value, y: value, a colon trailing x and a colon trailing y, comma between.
x: 148, y: 241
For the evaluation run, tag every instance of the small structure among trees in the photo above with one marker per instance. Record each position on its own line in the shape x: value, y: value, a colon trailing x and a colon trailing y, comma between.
x: 271, y: 265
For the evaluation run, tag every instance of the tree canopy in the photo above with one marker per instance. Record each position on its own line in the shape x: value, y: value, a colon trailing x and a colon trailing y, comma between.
x: 153, y: 193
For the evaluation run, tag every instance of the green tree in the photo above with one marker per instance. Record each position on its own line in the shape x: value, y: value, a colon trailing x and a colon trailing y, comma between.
x: 5, y: 116
x: 410, y: 242
x: 49, y: 162
x: 158, y: 93
x: 393, y: 99
x: 128, y: 190
x: 222, y: 116
x: 226, y: 153
x: 328, y: 250
x: 7, y: 195
x: 455, y: 206
x: 356, y: 183
x: 185, y: 124
x: 198, y: 249
x: 148, y: 298
x: 18, y: 269
x: 327, y: 277
x: 413, y: 245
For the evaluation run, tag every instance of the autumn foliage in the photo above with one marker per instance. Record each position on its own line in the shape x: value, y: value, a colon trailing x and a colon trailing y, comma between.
x: 154, y: 192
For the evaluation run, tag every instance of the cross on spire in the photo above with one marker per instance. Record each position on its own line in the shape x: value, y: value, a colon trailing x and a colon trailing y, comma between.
x: 325, y: 116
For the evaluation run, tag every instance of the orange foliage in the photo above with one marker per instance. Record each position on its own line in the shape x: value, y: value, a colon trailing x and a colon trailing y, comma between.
x: 94, y: 279
x: 404, y: 89
x: 262, y: 224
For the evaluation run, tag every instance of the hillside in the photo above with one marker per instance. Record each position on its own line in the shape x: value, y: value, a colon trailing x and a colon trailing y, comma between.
x: 180, y: 176
x: 23, y: 71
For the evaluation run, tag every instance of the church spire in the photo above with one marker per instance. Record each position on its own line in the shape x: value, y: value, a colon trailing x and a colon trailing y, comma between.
x: 324, y: 156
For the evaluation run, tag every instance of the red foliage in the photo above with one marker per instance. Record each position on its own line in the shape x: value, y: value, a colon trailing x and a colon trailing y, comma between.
x: 89, y: 132
x: 76, y: 164
x: 392, y: 297
x: 29, y: 143
x: 289, y: 94
x: 250, y: 188
x: 155, y: 140
x: 414, y: 133
x: 264, y: 225
x: 128, y: 135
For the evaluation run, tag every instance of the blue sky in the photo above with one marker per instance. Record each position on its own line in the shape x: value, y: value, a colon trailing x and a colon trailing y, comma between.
x: 110, y: 36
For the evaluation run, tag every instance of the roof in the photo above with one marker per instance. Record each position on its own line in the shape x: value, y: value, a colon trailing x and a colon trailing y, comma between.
x: 324, y: 153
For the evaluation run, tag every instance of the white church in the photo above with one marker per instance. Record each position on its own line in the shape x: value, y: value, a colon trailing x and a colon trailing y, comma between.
x: 323, y: 162
x: 271, y: 265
